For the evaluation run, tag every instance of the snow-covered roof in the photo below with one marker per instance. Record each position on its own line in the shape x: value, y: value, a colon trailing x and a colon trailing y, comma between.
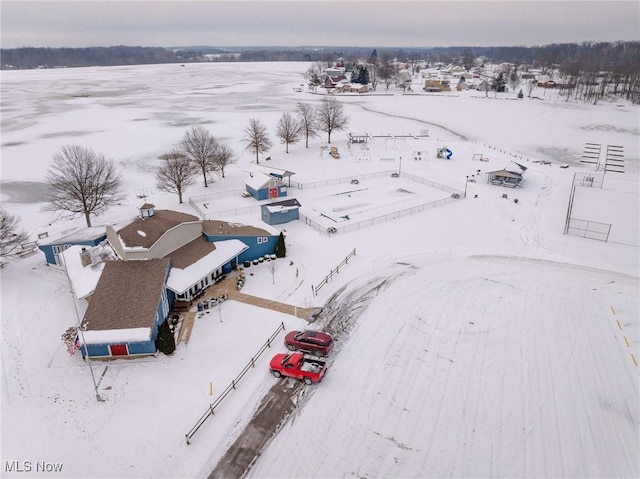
x: 270, y: 170
x: 259, y: 180
x: 286, y: 205
x: 76, y: 236
x: 85, y: 278
x: 181, y: 280
x: 115, y: 336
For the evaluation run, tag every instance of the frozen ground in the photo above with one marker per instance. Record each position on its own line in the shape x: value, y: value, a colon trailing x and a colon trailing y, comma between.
x: 477, y: 339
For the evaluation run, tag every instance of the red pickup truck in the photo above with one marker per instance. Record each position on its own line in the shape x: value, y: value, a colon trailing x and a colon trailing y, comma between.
x: 296, y: 365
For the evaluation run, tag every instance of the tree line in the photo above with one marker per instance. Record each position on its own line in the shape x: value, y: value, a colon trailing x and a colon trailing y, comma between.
x: 605, y: 54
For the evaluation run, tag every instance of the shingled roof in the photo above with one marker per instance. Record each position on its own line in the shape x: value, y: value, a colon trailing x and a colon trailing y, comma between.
x: 126, y: 295
x: 144, y: 232
x: 191, y: 252
x: 223, y: 228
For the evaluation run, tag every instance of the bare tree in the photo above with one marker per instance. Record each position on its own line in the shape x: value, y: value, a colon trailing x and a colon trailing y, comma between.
x: 11, y: 240
x: 199, y: 146
x: 330, y: 114
x: 387, y: 70
x: 289, y: 130
x: 256, y: 138
x: 176, y: 173
x: 308, y: 121
x: 224, y: 157
x: 82, y: 181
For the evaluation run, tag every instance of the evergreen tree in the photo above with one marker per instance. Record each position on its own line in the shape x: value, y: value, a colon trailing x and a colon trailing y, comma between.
x: 281, y: 248
x: 165, y: 342
x: 360, y: 74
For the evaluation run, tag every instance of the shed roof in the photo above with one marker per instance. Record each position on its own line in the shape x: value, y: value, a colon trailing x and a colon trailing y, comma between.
x: 259, y: 180
x: 504, y: 174
x: 282, y: 205
x: 127, y: 295
x: 270, y: 170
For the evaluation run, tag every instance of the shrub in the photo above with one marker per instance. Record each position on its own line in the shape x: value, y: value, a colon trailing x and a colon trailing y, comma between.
x: 165, y: 342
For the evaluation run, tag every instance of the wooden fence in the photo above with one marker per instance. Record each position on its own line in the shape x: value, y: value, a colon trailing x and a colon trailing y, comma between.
x: 333, y: 272
x: 211, y: 409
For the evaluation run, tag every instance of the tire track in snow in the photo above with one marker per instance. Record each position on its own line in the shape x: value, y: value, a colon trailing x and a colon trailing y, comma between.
x: 285, y: 399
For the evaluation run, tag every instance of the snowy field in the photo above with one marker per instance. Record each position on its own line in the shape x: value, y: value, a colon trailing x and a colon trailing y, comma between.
x: 478, y: 340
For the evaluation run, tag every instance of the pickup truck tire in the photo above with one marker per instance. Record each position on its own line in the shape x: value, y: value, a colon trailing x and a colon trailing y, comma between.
x: 277, y: 374
x: 291, y: 347
x: 307, y: 381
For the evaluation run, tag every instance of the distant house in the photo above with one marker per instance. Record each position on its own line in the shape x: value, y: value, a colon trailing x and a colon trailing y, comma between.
x: 82, y: 237
x: 281, y: 212
x: 510, y: 176
x: 262, y: 186
x: 129, y: 303
x: 436, y: 85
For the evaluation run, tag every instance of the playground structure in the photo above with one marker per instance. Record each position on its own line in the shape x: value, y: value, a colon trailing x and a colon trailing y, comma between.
x: 444, y: 152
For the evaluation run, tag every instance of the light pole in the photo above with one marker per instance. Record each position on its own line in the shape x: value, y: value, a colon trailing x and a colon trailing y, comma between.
x: 400, y: 167
x: 465, y: 186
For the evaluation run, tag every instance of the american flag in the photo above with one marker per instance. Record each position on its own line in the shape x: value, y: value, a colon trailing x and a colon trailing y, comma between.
x: 74, y: 347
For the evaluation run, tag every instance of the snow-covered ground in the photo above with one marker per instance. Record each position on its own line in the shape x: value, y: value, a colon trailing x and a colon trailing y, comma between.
x: 480, y: 341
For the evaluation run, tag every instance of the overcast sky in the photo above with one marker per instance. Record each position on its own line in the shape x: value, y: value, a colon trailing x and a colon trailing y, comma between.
x: 377, y: 24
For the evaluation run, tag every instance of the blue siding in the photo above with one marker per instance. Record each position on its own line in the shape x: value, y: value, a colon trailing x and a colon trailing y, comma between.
x: 263, y: 193
x: 146, y: 347
x: 94, y: 350
x: 50, y: 256
x: 279, y: 217
x: 258, y: 245
x: 141, y: 347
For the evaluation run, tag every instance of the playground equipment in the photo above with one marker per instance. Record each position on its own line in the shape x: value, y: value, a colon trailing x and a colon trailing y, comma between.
x: 334, y: 152
x: 444, y: 152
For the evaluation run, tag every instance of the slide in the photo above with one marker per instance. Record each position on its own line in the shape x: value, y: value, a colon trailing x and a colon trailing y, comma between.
x: 449, y: 154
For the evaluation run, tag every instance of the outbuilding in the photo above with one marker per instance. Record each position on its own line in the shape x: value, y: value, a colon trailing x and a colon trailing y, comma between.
x: 281, y: 211
x: 510, y: 176
x: 262, y: 186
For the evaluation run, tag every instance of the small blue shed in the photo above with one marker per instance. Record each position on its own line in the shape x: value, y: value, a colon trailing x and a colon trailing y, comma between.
x: 262, y: 186
x: 281, y: 211
x: 84, y: 237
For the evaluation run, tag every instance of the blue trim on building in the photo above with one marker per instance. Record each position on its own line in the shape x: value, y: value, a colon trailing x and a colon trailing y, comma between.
x: 48, y: 249
x: 258, y: 245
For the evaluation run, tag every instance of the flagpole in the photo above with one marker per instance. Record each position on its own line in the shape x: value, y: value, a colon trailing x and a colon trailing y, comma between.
x: 79, y: 323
